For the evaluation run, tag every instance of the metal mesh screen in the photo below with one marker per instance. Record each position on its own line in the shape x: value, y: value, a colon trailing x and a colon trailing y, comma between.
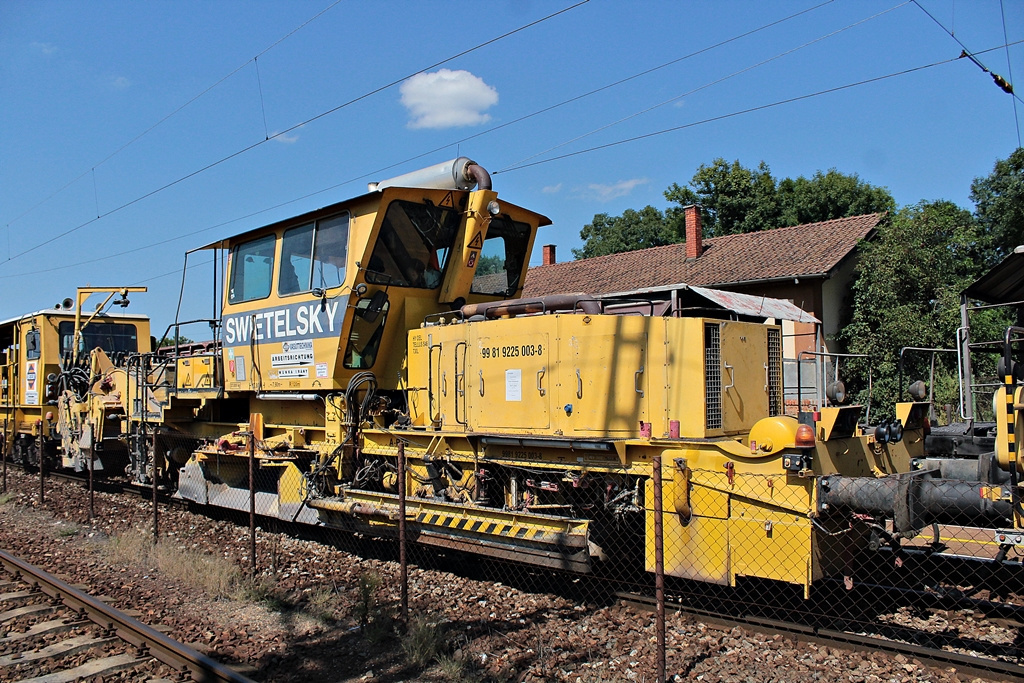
x: 713, y: 376
x: 774, y: 372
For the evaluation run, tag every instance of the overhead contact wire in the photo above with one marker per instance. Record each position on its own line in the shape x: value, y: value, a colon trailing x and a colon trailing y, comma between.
x: 295, y: 127
x: 1009, y: 69
x: 727, y: 116
x: 585, y: 95
x: 967, y: 53
x: 446, y: 145
x: 175, y: 111
x: 709, y: 84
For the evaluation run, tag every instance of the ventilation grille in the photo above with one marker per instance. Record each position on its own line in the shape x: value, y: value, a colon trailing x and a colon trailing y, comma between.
x: 774, y: 372
x: 713, y: 375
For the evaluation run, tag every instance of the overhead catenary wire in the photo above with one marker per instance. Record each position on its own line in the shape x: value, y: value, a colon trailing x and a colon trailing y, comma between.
x: 712, y: 83
x: 1006, y: 87
x: 510, y: 167
x: 1009, y: 68
x: 722, y: 117
x: 171, y: 114
x: 294, y: 127
x: 506, y: 169
x: 376, y: 172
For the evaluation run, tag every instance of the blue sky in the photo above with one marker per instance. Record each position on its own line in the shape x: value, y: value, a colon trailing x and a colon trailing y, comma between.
x: 102, y: 104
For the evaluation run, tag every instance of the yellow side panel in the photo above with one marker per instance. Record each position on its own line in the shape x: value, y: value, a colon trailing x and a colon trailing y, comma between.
x: 706, y: 502
x: 698, y: 550
x: 682, y: 371
x: 744, y: 375
x: 196, y: 372
x: 769, y: 544
x: 291, y: 486
x: 510, y: 386
x: 418, y: 377
x: 606, y: 378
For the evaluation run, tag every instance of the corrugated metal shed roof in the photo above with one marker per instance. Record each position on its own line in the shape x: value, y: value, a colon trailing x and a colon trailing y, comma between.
x: 755, y: 306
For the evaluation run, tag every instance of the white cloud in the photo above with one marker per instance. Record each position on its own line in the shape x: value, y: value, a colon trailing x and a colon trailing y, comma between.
x: 447, y: 99
x: 46, y: 48
x: 286, y: 138
x: 552, y: 189
x: 120, y: 83
x: 606, y: 193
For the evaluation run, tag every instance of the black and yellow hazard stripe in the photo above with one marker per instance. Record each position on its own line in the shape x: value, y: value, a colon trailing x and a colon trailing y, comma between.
x: 519, y: 528
x: 1011, y: 422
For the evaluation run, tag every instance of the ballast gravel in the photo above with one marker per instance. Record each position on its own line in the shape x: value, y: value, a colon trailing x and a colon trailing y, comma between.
x: 317, y: 612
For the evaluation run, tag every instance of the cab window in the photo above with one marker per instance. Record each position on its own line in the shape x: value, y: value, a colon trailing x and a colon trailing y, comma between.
x: 367, y: 331
x: 413, y: 246
x: 313, y: 256
x: 32, y: 344
x: 252, y: 267
x: 501, y: 259
x: 111, y: 337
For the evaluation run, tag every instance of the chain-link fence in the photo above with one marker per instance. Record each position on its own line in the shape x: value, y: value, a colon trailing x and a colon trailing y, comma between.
x: 922, y: 557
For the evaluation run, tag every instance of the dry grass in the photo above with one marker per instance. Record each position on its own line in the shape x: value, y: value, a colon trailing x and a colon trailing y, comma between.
x: 456, y: 670
x: 321, y: 602
x: 216, y: 576
x: 423, y: 643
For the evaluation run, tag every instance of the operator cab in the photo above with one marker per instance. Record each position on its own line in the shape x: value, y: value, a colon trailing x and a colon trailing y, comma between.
x: 312, y: 300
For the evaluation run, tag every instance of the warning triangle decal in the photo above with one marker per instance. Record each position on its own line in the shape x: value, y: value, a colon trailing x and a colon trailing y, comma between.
x: 477, y: 242
x: 449, y: 201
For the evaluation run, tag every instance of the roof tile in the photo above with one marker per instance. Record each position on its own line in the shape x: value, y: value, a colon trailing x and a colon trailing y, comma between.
x: 796, y: 251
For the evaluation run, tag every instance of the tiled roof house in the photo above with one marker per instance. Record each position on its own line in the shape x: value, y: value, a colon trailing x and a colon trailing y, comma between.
x: 810, y: 265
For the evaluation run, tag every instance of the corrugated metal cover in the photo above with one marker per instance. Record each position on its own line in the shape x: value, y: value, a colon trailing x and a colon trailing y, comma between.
x: 1002, y: 284
x: 755, y: 306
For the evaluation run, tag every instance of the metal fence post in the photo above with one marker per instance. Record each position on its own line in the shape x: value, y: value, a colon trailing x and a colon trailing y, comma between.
x: 252, y: 501
x: 42, y: 487
x: 156, y: 517
x: 659, y: 569
x: 402, y: 561
x: 92, y: 491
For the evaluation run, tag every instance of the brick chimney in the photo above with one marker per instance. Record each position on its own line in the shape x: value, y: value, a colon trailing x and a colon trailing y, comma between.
x: 549, y: 255
x: 694, y: 244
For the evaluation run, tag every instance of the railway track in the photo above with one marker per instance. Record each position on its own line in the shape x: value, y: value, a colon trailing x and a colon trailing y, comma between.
x: 53, y: 632
x: 930, y: 655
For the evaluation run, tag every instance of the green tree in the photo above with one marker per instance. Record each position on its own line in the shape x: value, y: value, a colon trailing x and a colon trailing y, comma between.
x: 907, y: 294
x: 628, y: 232
x: 733, y: 198
x: 829, y: 195
x: 490, y: 264
x: 999, y: 203
x: 169, y: 341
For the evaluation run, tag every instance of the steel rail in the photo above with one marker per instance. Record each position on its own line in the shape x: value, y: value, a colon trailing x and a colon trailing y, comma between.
x: 967, y: 664
x: 170, y: 652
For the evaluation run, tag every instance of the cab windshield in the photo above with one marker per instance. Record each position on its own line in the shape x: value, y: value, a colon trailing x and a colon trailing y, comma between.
x: 414, y: 245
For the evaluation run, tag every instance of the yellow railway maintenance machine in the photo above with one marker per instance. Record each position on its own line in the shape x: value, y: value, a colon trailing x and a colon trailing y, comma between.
x: 49, y: 363
x: 529, y: 426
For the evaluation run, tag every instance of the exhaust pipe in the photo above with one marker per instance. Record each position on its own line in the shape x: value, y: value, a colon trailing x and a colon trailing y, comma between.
x: 457, y: 174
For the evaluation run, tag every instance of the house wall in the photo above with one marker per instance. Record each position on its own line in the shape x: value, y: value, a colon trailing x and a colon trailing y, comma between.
x: 807, y: 294
x: 834, y: 292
